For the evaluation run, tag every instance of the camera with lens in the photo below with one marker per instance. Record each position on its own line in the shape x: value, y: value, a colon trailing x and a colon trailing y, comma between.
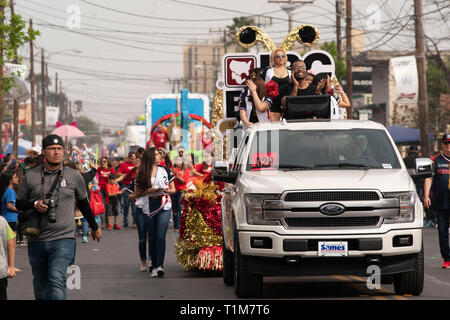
x: 51, y: 211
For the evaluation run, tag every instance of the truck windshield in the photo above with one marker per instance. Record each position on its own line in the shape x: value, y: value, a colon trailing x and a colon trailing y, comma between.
x: 354, y: 149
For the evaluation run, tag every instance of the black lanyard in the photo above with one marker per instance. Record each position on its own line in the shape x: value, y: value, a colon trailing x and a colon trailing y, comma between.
x: 55, y: 184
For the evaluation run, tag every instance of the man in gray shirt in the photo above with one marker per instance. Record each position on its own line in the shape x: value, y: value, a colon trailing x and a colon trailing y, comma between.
x: 51, y: 252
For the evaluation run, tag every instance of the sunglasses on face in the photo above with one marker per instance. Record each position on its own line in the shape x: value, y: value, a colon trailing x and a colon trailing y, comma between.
x: 280, y: 56
x: 299, y: 68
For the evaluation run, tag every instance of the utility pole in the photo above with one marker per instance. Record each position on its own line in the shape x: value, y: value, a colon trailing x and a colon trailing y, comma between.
x: 43, y: 95
x: 348, y: 49
x: 16, y: 103
x: 289, y: 6
x: 56, y: 89
x: 204, y: 77
x: 421, y: 70
x: 224, y: 31
x: 47, y: 80
x: 338, y: 28
x: 33, y: 102
x: 62, y: 106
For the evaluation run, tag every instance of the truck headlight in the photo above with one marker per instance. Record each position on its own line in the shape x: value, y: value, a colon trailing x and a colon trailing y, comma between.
x: 406, y: 201
x: 253, y: 204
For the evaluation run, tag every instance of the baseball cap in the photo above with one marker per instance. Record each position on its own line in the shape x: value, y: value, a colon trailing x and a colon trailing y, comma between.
x: 446, y: 137
x: 52, y: 139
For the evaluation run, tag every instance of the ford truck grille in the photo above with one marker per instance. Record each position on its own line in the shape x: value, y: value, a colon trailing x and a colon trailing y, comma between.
x: 332, y: 196
x: 332, y: 222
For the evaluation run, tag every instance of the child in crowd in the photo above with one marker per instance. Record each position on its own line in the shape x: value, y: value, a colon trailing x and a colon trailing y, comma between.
x: 8, y: 182
x: 7, y: 255
x: 112, y: 200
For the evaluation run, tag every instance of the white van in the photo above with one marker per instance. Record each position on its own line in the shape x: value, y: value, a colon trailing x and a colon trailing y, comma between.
x: 320, y: 197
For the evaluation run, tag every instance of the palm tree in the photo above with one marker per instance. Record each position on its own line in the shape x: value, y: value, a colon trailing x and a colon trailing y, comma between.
x: 232, y: 29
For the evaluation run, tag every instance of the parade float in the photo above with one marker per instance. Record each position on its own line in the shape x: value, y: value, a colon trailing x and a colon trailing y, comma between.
x: 199, y: 245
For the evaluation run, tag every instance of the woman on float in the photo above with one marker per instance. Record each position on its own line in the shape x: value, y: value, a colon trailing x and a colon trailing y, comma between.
x: 278, y: 72
x: 339, y: 99
x: 261, y: 96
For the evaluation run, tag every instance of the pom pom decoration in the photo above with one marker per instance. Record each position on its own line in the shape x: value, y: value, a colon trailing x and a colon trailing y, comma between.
x: 247, y: 36
x: 200, y: 243
x: 272, y: 89
x: 307, y: 34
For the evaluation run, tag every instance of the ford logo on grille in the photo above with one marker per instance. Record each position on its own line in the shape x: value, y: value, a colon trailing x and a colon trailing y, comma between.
x: 332, y: 209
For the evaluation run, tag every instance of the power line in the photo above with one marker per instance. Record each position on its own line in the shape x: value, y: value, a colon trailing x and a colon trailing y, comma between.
x: 151, y: 17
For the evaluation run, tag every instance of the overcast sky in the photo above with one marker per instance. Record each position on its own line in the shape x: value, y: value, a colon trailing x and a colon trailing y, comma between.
x: 126, y: 50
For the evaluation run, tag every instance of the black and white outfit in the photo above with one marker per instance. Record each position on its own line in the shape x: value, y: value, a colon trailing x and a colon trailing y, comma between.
x: 152, y: 220
x: 336, y: 112
x: 269, y: 74
x: 253, y: 115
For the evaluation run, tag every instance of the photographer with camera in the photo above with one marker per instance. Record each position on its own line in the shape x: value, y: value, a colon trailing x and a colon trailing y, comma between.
x: 46, y: 196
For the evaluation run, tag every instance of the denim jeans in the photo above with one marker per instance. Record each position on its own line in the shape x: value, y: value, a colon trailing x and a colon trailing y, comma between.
x: 177, y: 208
x: 49, y: 261
x: 442, y: 217
x: 157, y: 230
x: 142, y: 224
x: 125, y: 202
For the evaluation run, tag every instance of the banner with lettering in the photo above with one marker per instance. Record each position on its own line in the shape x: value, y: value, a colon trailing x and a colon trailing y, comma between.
x: 406, y: 79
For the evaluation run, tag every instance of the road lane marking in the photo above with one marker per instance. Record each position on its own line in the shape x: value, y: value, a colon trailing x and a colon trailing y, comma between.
x: 400, y: 297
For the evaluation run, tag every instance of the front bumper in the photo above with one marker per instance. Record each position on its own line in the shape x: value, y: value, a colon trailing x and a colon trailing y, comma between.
x: 298, y: 254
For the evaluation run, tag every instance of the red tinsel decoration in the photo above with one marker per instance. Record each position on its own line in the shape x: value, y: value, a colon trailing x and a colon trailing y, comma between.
x: 272, y: 89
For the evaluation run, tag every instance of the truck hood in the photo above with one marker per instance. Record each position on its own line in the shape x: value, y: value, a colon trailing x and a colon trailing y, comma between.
x: 385, y: 180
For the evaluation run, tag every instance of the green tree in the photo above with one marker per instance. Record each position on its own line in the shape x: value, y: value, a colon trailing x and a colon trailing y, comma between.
x: 340, y: 67
x: 78, y: 105
x: 90, y: 129
x: 13, y: 35
x: 233, y: 28
x: 437, y: 84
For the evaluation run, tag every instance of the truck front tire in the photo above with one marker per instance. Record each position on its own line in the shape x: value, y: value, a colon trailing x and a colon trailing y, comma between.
x: 246, y: 285
x: 411, y: 282
x: 228, y: 266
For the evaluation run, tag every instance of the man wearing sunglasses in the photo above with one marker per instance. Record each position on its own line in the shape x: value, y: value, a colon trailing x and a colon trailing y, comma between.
x: 440, y: 202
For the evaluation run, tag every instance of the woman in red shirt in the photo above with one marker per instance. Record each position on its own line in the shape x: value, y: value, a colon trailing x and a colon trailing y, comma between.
x: 103, y: 172
x: 182, y: 175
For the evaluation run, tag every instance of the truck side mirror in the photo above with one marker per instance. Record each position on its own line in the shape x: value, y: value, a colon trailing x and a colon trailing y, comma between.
x: 424, y: 168
x: 221, y: 172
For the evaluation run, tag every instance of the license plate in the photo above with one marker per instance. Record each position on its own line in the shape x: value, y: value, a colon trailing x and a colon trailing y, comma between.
x: 333, y: 248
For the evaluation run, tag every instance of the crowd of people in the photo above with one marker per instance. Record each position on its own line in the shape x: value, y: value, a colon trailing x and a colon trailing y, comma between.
x: 146, y: 189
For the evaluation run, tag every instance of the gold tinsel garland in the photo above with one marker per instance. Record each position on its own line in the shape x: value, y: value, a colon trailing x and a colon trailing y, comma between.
x: 198, y: 247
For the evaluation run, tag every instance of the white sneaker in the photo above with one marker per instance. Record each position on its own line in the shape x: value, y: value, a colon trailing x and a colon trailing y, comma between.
x: 160, y: 271
x: 154, y: 273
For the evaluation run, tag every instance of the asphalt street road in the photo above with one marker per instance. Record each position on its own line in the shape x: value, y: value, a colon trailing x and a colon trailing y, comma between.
x: 109, y: 270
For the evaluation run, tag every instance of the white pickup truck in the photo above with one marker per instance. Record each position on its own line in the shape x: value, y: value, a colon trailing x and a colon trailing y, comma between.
x: 320, y: 197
